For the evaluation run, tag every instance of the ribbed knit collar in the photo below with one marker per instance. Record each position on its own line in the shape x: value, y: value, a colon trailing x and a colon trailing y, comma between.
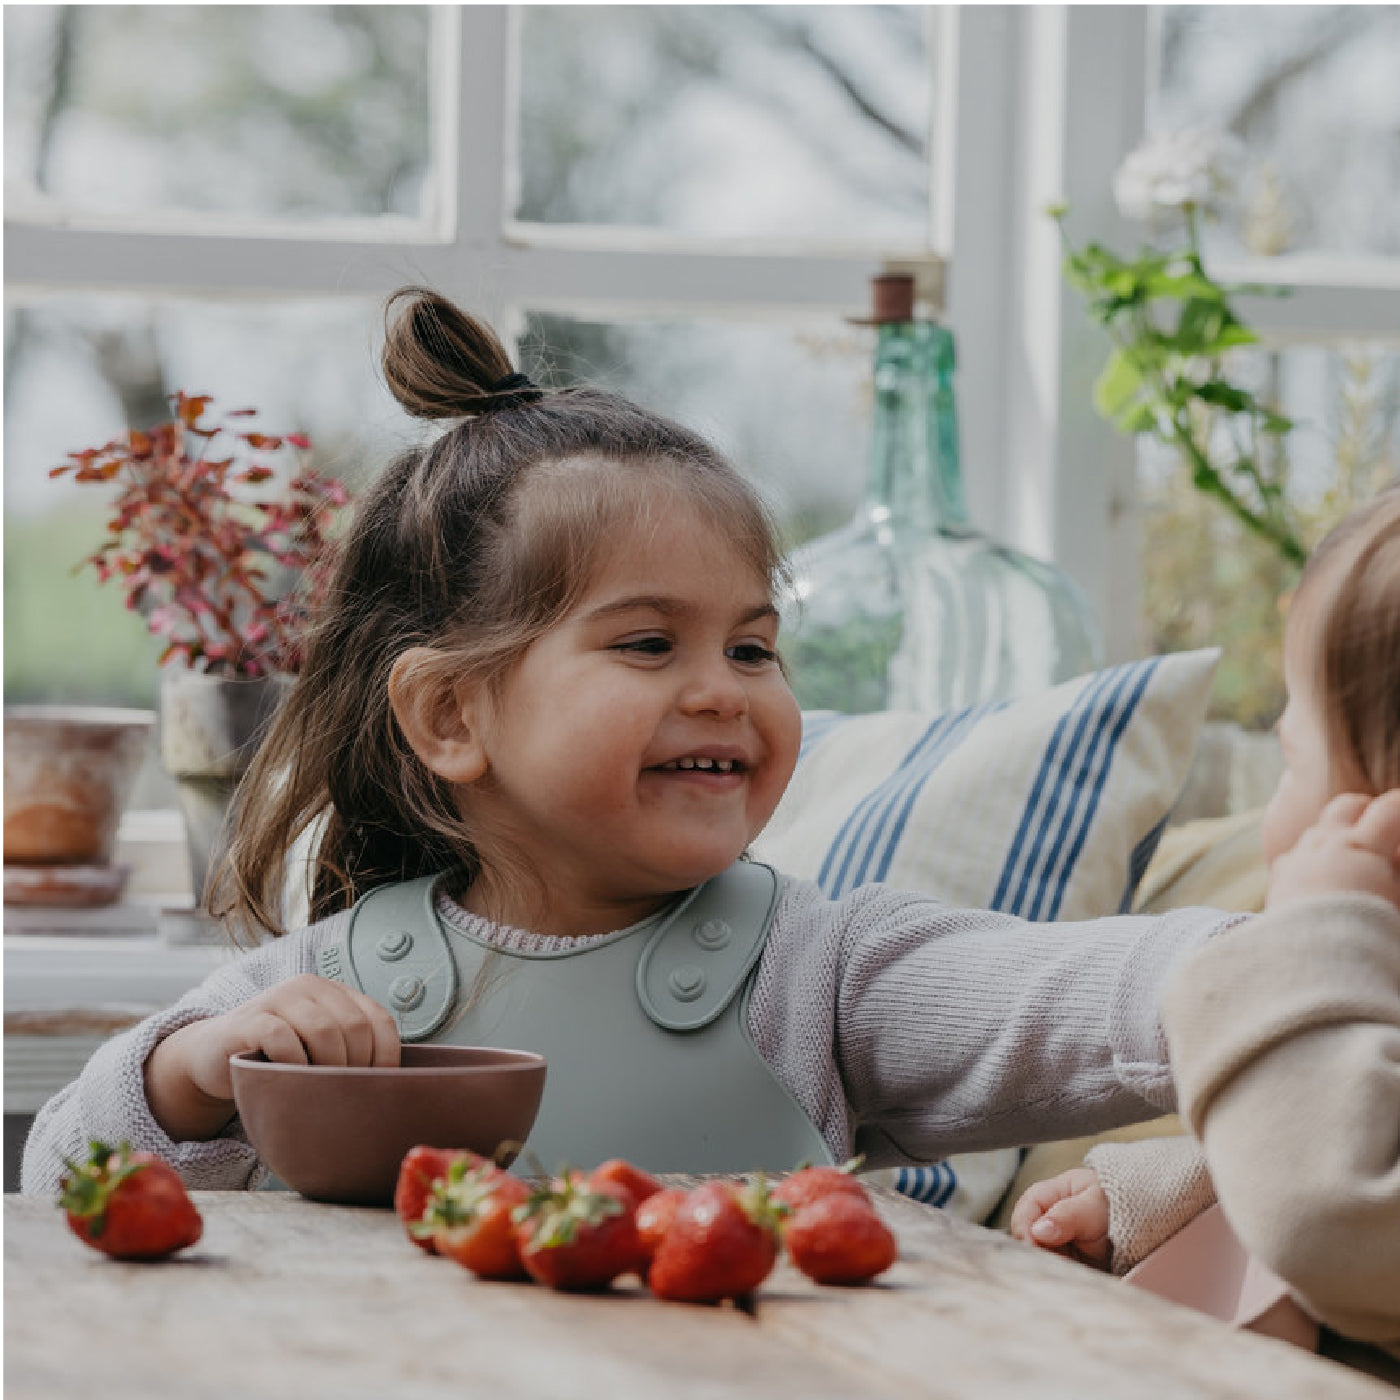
x: 521, y: 940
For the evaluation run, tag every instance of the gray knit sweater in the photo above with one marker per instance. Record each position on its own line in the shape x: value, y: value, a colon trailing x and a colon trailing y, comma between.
x: 906, y: 1029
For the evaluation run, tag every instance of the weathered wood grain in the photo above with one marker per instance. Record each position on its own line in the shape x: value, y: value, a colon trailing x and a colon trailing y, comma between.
x: 284, y: 1298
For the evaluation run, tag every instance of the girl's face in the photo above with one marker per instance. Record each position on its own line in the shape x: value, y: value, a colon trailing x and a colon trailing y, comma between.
x: 643, y: 742
x: 1310, y: 778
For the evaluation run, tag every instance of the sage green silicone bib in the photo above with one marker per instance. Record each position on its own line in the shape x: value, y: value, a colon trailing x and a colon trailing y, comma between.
x: 645, y: 1033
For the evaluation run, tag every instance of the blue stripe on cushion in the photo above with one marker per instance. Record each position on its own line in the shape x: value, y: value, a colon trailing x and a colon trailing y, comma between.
x: 961, y: 729
x: 1023, y: 847
x: 841, y: 852
x: 867, y: 841
x: 1108, y: 742
x: 932, y: 1184
x: 1138, y: 862
x: 1088, y: 783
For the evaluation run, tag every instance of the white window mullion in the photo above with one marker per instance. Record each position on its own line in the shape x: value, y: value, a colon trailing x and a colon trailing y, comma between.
x: 974, y: 141
x: 1070, y: 476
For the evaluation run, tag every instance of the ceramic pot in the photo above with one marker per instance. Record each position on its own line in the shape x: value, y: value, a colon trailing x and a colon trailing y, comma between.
x: 210, y: 728
x: 69, y: 771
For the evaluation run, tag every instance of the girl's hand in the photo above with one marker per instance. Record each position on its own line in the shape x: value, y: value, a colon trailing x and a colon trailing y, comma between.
x: 1067, y: 1214
x: 305, y: 1020
x: 1353, y: 848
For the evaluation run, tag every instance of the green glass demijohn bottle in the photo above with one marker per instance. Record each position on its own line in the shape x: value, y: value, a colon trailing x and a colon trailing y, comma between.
x: 909, y: 606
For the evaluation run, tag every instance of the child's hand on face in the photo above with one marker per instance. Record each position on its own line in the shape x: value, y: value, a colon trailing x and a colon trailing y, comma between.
x: 1067, y: 1214
x: 1353, y: 847
x: 305, y: 1020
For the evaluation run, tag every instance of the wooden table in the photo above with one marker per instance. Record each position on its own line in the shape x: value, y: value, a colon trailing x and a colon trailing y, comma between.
x: 285, y: 1298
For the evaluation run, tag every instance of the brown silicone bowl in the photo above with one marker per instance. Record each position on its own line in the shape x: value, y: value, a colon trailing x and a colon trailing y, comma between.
x: 338, y: 1134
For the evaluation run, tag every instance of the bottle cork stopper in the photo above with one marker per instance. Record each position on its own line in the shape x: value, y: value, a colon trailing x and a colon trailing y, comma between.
x: 893, y: 297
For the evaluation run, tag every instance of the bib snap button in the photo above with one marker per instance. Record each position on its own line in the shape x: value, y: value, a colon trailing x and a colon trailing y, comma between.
x: 406, y: 992
x: 394, y: 946
x: 713, y: 934
x: 686, y: 982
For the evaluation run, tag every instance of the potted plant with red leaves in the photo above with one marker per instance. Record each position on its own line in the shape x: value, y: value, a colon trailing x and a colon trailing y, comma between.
x: 226, y: 568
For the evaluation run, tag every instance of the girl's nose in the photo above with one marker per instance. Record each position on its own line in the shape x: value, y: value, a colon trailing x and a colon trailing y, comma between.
x: 713, y: 688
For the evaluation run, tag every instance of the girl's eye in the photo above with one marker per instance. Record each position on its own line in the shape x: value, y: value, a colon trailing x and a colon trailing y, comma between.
x: 645, y: 646
x: 752, y: 654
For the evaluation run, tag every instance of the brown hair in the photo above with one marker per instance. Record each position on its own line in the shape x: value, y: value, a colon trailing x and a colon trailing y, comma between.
x: 473, y: 545
x: 1350, y: 593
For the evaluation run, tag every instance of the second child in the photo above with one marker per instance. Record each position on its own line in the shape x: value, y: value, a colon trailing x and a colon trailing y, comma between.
x: 1285, y: 1036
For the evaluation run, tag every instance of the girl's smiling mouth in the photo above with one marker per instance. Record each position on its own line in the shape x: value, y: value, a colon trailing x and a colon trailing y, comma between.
x: 701, y: 765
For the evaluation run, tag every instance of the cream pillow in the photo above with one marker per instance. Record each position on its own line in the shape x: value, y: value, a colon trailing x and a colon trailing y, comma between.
x: 1048, y: 807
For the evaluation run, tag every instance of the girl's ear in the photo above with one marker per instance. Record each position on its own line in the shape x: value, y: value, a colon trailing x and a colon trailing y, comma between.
x: 437, y: 716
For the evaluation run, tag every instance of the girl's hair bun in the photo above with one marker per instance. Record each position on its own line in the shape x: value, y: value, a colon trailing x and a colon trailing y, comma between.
x: 438, y: 361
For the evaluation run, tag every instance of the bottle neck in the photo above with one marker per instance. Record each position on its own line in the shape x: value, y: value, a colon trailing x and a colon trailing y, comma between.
x: 915, y: 477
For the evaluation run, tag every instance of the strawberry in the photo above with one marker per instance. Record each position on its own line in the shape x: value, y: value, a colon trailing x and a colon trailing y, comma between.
x: 419, y: 1170
x: 131, y: 1205
x: 638, y: 1183
x: 654, y: 1217
x: 839, y: 1239
x: 469, y: 1218
x: 722, y: 1243
x: 810, y: 1183
x: 577, y: 1236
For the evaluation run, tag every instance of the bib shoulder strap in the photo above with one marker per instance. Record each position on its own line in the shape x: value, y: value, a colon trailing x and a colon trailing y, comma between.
x: 694, y: 964
x: 396, y: 952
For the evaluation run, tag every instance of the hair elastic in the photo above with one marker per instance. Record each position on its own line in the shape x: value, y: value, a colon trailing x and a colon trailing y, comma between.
x: 514, y: 389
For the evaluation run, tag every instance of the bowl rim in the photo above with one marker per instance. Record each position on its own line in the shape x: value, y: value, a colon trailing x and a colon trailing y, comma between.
x: 517, y: 1062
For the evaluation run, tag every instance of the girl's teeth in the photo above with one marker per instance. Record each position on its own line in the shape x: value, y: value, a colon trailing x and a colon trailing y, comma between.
x: 706, y: 765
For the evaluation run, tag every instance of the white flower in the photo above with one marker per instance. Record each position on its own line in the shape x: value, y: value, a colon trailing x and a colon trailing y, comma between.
x: 1197, y: 166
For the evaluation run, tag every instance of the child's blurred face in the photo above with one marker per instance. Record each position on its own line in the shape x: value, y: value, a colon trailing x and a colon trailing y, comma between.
x: 1310, y: 778
x: 643, y: 742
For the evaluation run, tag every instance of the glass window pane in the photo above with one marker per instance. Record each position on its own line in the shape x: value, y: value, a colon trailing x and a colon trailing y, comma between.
x: 729, y: 121
x: 296, y: 112
x: 788, y: 405
x: 77, y: 371
x: 1312, y: 92
x: 1207, y: 582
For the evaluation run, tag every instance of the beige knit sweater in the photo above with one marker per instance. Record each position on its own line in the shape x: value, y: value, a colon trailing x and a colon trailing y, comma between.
x: 1285, y: 1042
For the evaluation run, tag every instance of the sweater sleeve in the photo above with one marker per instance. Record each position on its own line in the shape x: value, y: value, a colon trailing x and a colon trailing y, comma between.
x: 1286, y: 1041
x: 1155, y: 1187
x: 910, y: 1030
x: 108, y: 1099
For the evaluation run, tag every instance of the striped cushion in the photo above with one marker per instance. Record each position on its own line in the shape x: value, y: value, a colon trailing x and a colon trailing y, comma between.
x: 1048, y: 807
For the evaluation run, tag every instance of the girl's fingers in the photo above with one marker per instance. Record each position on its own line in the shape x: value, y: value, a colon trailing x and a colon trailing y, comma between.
x: 319, y: 1026
x: 271, y: 1035
x: 384, y: 1032
x: 370, y: 1032
x: 1344, y: 810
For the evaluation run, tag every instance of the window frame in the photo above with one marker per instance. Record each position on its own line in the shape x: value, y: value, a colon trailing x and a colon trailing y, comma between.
x: 1055, y: 106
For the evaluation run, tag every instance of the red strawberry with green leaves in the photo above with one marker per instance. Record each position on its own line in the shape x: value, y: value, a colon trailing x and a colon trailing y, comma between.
x: 839, y: 1239
x: 577, y: 1236
x: 811, y: 1183
x: 654, y: 1217
x: 131, y: 1205
x: 469, y: 1217
x: 721, y: 1243
x: 639, y: 1184
x: 420, y: 1170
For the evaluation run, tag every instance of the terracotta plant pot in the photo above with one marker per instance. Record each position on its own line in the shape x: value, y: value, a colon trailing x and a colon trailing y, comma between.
x: 210, y: 728
x: 69, y: 771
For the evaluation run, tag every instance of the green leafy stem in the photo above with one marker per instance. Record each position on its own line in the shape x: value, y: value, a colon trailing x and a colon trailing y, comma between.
x: 1170, y: 325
